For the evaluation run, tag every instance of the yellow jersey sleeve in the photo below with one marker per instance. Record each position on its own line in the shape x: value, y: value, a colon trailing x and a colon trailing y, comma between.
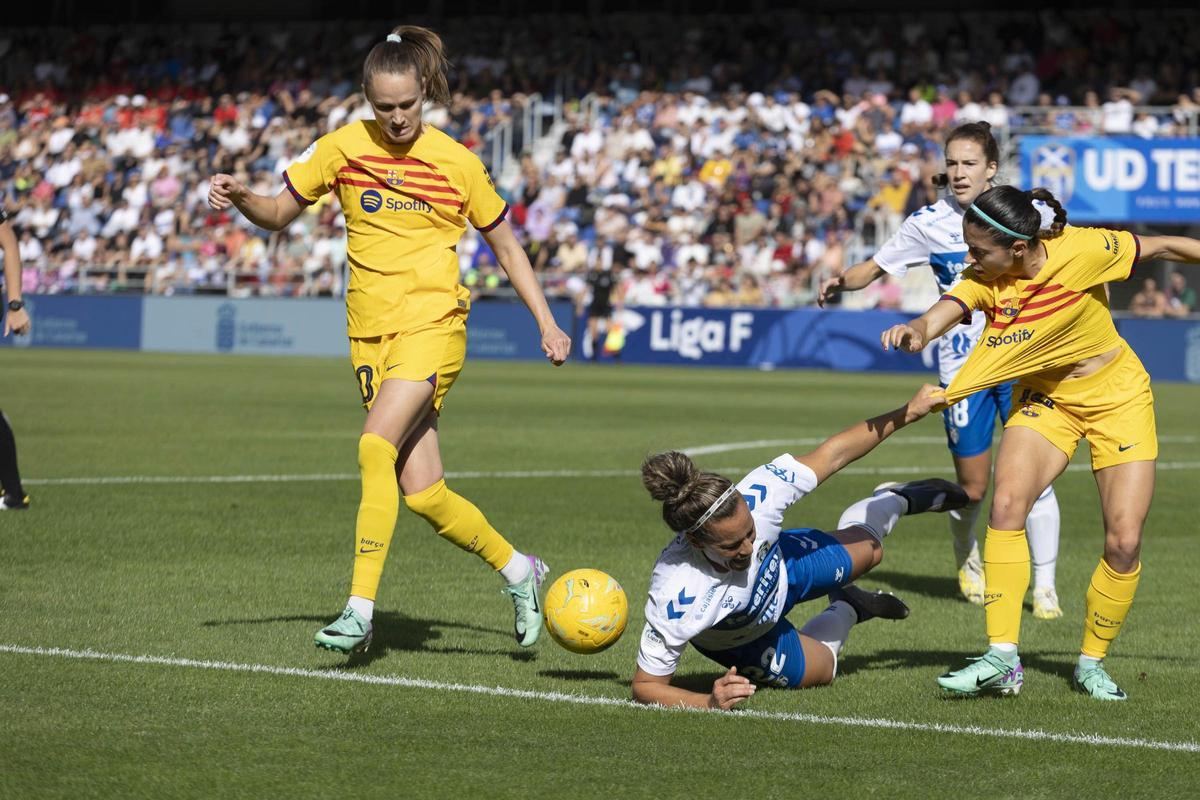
x: 971, y: 294
x: 484, y: 208
x: 1100, y: 256
x: 313, y: 173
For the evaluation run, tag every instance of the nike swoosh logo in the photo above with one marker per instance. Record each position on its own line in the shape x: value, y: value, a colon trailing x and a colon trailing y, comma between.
x: 391, y: 367
x: 1124, y: 447
x: 364, y: 550
x: 987, y: 603
x: 1103, y: 625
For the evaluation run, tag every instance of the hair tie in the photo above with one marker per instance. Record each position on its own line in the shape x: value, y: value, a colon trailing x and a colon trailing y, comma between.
x: 997, y: 225
x: 394, y: 37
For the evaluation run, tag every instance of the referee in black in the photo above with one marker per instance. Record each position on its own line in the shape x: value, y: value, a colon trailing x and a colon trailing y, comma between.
x: 16, y: 320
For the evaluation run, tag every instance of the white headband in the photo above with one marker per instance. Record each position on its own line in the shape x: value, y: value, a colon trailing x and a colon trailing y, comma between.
x: 711, y: 510
x: 394, y: 37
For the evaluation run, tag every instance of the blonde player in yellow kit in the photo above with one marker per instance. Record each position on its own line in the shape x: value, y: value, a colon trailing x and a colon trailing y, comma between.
x: 1050, y: 329
x: 407, y: 191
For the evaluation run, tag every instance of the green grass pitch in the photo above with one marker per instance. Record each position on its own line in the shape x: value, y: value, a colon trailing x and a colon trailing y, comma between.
x: 198, y: 573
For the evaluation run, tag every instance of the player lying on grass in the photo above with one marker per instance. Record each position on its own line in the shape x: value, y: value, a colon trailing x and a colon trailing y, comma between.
x: 1050, y: 330
x: 731, y: 575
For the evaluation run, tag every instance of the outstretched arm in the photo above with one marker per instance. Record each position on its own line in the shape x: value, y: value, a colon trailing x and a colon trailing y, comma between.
x: 913, y: 336
x: 1170, y: 248
x: 728, y: 690
x: 856, y: 441
x: 270, y: 213
x: 555, y: 344
x: 857, y: 277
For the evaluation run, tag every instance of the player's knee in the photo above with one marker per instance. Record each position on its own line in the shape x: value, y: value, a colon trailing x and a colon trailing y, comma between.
x: 1009, y: 509
x: 375, y: 452
x: 975, y: 490
x: 428, y: 502
x: 1123, y: 547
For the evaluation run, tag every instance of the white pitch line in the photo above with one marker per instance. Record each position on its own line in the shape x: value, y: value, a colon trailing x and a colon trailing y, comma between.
x: 593, y: 700
x: 119, y: 480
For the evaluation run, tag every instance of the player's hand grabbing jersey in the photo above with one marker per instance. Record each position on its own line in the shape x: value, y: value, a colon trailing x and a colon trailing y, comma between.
x: 933, y: 235
x: 690, y: 600
x: 1058, y: 318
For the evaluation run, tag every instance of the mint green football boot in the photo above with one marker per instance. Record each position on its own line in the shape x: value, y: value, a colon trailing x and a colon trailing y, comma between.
x: 527, y: 625
x: 991, y: 673
x: 349, y: 633
x: 1097, y: 684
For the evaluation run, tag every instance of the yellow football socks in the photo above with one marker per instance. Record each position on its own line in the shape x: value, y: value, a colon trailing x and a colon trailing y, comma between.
x: 1108, y: 600
x: 458, y: 520
x: 376, y: 513
x: 1006, y: 576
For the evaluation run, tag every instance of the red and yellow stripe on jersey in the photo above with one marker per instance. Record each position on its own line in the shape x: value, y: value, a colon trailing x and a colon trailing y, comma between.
x: 1057, y: 318
x: 406, y: 207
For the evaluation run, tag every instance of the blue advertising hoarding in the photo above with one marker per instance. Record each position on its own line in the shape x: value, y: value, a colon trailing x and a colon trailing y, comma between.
x: 766, y: 338
x: 740, y: 337
x: 89, y: 322
x: 1117, y: 178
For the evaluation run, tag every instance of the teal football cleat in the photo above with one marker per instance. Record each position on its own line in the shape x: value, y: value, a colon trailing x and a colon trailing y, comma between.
x: 349, y: 633
x: 1096, y: 683
x: 528, y: 608
x: 991, y: 673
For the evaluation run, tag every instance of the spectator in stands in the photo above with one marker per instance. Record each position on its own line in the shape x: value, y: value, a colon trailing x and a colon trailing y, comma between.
x: 1180, y: 298
x: 1149, y: 302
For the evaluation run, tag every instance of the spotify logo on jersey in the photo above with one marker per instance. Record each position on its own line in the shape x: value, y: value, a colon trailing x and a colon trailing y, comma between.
x: 371, y: 201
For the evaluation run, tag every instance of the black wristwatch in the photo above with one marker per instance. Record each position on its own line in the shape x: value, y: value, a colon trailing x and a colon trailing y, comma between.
x: 16, y: 305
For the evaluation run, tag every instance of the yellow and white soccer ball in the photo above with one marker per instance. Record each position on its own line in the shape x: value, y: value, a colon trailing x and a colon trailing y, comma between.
x: 586, y: 610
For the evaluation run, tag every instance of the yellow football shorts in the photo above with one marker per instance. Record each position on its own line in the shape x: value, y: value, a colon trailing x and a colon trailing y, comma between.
x: 1112, y: 408
x: 433, y: 353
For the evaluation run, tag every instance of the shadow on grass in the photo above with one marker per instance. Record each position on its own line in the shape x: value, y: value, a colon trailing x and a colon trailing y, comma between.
x: 403, y: 634
x: 903, y: 583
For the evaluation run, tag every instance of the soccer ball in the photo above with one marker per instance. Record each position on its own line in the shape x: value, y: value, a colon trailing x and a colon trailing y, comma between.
x: 586, y: 610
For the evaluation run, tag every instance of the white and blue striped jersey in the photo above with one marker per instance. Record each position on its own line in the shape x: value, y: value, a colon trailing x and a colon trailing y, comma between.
x: 691, y: 601
x: 933, y: 235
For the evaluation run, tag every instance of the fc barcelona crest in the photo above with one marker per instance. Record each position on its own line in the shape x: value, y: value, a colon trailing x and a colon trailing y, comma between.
x: 1054, y: 169
x: 394, y: 178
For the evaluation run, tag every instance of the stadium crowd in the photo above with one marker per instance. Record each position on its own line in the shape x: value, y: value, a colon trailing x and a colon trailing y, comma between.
x: 723, y: 161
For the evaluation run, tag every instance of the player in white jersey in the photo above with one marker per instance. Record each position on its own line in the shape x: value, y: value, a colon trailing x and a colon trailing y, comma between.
x: 933, y: 235
x: 730, y: 576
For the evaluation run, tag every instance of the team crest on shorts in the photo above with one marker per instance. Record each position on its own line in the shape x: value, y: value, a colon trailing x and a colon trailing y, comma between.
x: 1030, y: 411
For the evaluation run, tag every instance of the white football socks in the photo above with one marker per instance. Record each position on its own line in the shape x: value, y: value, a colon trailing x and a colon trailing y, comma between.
x: 517, y: 569
x: 877, y: 514
x: 1042, y: 529
x: 362, y: 605
x: 962, y: 529
x: 832, y: 627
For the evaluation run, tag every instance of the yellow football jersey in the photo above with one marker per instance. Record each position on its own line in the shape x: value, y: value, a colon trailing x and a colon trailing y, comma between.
x: 1057, y: 318
x: 406, y: 207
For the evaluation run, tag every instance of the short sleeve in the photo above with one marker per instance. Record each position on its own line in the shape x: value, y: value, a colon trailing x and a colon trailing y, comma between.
x: 771, y: 489
x: 1106, y: 255
x: 313, y: 173
x: 970, y: 294
x: 655, y: 655
x: 484, y: 208
x: 907, y: 248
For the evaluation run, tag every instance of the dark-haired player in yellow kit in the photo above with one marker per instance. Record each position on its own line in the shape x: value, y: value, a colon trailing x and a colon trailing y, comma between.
x: 1050, y: 329
x: 407, y: 191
